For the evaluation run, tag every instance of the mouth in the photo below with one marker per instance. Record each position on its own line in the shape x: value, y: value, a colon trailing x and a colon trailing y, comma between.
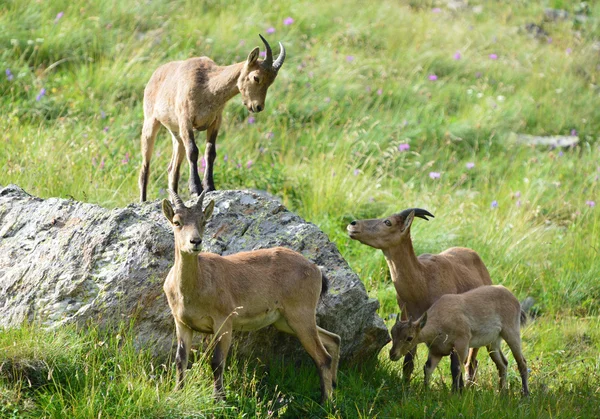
x: 352, y: 232
x: 393, y: 357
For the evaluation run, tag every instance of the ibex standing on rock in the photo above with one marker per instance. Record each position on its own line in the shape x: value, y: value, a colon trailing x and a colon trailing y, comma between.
x: 191, y: 94
x: 246, y: 291
x: 420, y: 281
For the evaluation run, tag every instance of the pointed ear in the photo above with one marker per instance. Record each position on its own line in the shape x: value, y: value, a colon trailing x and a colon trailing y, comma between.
x: 422, y: 321
x: 209, y: 210
x: 167, y: 209
x: 408, y: 221
x: 253, y: 56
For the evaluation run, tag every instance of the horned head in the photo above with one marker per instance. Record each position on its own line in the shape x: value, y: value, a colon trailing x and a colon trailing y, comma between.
x: 405, y: 334
x: 257, y: 75
x: 382, y: 233
x: 188, y: 222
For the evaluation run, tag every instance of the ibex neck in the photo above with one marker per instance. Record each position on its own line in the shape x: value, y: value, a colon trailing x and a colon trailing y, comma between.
x: 223, y: 83
x: 406, y: 271
x: 187, y: 270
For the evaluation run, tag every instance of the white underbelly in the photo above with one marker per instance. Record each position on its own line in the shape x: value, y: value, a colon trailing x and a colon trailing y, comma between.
x: 248, y: 324
x: 484, y: 338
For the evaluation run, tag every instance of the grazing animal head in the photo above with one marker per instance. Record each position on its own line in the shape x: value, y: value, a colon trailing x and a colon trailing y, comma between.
x: 383, y: 233
x: 188, y: 223
x: 404, y: 336
x: 257, y: 75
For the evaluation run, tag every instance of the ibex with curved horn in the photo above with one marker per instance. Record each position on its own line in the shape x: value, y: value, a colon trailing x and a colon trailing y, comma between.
x: 190, y: 95
x: 420, y: 281
x: 245, y: 291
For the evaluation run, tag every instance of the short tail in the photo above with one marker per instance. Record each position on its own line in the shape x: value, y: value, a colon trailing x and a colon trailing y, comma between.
x: 324, y: 283
x: 525, y: 307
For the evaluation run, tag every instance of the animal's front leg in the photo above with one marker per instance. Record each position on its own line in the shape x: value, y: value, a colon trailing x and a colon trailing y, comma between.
x: 219, y: 358
x: 191, y: 150
x: 184, y: 343
x: 408, y: 366
x: 211, y: 153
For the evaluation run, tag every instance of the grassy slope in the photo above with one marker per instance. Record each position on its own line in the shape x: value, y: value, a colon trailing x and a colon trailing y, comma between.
x: 355, y: 86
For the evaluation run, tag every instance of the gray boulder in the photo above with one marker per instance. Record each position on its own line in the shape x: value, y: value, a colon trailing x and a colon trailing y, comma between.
x: 63, y: 261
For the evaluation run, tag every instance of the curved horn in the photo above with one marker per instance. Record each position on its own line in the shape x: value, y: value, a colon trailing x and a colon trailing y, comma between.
x: 280, y: 58
x: 269, y: 58
x: 200, y: 200
x: 419, y: 212
x: 176, y: 200
x: 397, y: 317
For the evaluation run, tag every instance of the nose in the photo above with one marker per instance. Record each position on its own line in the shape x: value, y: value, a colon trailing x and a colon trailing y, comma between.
x: 196, y: 241
x: 259, y: 108
x: 353, y: 223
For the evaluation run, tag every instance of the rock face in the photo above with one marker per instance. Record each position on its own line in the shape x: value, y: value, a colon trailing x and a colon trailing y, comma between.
x: 63, y: 261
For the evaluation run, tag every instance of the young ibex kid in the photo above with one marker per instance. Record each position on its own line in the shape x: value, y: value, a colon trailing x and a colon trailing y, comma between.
x: 420, y: 281
x: 480, y: 317
x: 190, y: 95
x: 246, y: 291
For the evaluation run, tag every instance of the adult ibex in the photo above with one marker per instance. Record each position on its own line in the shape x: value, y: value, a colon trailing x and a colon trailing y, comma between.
x: 191, y: 94
x: 420, y: 281
x: 246, y: 291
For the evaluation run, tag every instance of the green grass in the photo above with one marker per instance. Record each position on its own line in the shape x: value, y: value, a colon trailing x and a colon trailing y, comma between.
x: 355, y: 85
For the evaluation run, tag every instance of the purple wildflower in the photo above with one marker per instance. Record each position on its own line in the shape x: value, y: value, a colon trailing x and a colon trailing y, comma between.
x: 478, y: 75
x: 203, y: 163
x: 327, y: 99
x: 590, y: 204
x: 58, y: 17
x: 494, y: 204
x: 126, y: 159
x: 349, y: 58
x: 573, y: 132
x: 518, y: 203
x: 549, y: 39
x: 102, y: 163
x: 404, y: 147
x: 105, y: 129
x: 470, y: 165
x: 249, y: 164
x: 239, y: 165
x: 288, y: 21
x: 102, y: 114
x: 9, y: 75
x: 434, y: 175
x: 568, y: 51
x: 270, y: 135
x: 560, y: 153
x: 262, y: 54
x: 518, y: 194
x: 433, y: 77
x: 251, y: 120
x: 436, y: 10
x: 493, y: 56
x: 40, y: 95
x: 457, y: 55
x: 379, y: 92
x: 226, y: 157
x: 271, y: 30
x: 356, y: 172
x: 161, y: 191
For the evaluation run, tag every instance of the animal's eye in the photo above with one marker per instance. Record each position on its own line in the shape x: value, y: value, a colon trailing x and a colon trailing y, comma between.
x: 409, y: 338
x: 176, y: 223
x: 256, y: 79
x: 388, y: 223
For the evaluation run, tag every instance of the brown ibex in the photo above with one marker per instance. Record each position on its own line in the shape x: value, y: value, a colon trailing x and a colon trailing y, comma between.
x: 420, y: 281
x: 246, y: 291
x: 191, y: 94
x: 456, y: 322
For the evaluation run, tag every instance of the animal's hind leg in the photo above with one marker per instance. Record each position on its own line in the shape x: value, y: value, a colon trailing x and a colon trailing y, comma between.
x: 149, y: 131
x: 332, y: 343
x: 514, y: 343
x: 210, y: 154
x: 308, y: 334
x: 472, y: 365
x: 495, y: 351
x: 175, y: 164
x: 186, y: 133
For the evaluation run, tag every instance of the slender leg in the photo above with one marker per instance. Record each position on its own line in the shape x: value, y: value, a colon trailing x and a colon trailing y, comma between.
x: 496, y: 354
x: 184, y: 343
x: 220, y: 358
x: 332, y: 343
x: 472, y: 365
x: 175, y: 163
x: 461, y: 351
x: 430, y: 366
x: 186, y: 132
x: 408, y: 366
x: 149, y: 131
x: 211, y: 153
x: 514, y: 343
x: 455, y: 369
x: 308, y: 335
